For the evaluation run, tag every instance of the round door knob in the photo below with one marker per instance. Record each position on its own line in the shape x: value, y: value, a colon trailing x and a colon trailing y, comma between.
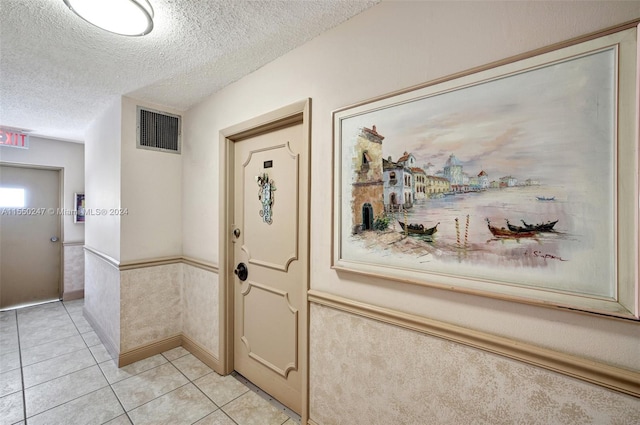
x: 242, y: 272
x: 54, y: 239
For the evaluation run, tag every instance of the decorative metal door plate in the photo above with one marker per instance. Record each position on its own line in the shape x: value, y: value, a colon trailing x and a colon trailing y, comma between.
x: 265, y: 195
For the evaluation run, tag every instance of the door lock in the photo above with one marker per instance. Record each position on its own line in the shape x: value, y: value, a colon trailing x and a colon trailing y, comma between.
x: 242, y: 272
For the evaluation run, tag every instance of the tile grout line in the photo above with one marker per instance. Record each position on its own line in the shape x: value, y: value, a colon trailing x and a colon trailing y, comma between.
x: 24, y: 398
x: 248, y: 385
x: 56, y: 340
x: 101, y: 371
x: 62, y: 376
x: 204, y: 394
x: 58, y: 356
x: 55, y: 357
x: 24, y: 402
x: 190, y: 381
x: 68, y: 401
x: 233, y: 399
x: 155, y: 367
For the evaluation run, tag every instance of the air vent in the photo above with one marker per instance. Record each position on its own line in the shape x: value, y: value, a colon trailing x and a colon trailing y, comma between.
x: 158, y: 131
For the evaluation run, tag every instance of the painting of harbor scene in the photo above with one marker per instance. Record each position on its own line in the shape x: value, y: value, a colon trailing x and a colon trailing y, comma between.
x: 509, y: 180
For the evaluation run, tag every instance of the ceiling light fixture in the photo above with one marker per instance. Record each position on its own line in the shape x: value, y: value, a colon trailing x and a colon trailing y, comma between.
x: 125, y: 17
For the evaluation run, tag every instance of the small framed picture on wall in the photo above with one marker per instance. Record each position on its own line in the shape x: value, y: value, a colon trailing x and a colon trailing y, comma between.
x: 79, y: 212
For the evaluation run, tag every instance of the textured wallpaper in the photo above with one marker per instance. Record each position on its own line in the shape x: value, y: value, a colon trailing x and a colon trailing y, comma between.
x: 367, y: 372
x: 102, y: 296
x: 151, y: 307
x: 200, y: 307
x: 73, y: 268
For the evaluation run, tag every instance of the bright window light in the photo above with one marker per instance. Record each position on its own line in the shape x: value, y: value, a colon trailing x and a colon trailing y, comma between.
x: 11, y: 197
x: 125, y: 17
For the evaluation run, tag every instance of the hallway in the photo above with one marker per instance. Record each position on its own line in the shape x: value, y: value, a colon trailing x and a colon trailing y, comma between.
x: 55, y: 370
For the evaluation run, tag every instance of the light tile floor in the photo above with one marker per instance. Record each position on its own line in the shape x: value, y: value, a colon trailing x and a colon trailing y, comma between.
x: 55, y: 370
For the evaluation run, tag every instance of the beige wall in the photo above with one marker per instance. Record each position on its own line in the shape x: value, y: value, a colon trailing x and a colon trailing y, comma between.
x: 140, y: 191
x: 102, y: 180
x: 150, y: 193
x: 102, y: 232
x: 392, y: 46
x: 142, y: 185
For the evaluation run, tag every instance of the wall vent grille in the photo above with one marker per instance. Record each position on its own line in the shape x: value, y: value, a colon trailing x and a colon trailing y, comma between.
x: 158, y: 131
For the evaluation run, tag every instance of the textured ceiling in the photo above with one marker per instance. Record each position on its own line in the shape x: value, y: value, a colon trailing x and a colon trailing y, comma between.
x: 57, y: 72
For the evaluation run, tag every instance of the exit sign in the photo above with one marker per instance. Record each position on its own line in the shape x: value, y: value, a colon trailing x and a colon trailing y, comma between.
x: 14, y: 138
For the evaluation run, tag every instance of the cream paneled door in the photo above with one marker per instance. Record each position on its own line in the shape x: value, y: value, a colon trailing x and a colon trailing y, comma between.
x: 29, y: 237
x: 270, y: 255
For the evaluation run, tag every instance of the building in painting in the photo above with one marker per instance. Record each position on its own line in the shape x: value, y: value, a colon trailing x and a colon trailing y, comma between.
x: 419, y: 183
x: 453, y: 172
x: 367, y: 194
x: 408, y: 162
x: 436, y: 185
x: 483, y: 180
x: 398, y: 185
x: 479, y: 182
x: 508, y: 181
x: 392, y: 193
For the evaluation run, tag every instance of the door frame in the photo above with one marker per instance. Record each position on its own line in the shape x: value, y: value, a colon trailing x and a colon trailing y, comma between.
x: 293, y: 113
x: 60, y: 206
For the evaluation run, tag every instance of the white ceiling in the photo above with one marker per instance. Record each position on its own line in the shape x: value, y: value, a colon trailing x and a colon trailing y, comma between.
x: 58, y: 72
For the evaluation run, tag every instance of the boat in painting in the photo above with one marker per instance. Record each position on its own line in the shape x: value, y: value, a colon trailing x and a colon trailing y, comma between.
x: 517, y: 229
x: 418, y: 229
x: 544, y: 198
x: 541, y: 227
x: 507, y: 233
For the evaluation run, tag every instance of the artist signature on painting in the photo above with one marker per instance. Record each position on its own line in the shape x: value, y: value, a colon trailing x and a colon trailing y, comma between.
x: 544, y: 256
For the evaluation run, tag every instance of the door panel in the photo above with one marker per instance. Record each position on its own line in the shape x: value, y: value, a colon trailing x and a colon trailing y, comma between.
x: 29, y: 260
x: 283, y: 172
x: 267, y: 305
x: 274, y: 341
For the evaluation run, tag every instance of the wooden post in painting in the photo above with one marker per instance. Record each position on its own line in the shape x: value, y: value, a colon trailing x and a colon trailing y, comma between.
x: 406, y: 223
x: 395, y: 218
x: 457, y: 232
x: 466, y: 232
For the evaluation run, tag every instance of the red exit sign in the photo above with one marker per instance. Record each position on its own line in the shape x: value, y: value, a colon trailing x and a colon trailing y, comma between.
x: 13, y: 138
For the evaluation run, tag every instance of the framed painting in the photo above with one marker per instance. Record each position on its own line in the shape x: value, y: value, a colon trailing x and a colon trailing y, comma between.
x: 78, y: 206
x: 517, y: 180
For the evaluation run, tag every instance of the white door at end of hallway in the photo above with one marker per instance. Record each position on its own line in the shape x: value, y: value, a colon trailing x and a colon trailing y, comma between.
x: 30, y: 256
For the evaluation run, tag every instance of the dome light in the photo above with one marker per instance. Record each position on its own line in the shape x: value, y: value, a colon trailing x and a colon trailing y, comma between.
x: 125, y: 17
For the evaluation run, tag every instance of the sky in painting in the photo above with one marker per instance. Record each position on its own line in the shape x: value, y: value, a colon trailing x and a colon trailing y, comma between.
x: 553, y: 124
